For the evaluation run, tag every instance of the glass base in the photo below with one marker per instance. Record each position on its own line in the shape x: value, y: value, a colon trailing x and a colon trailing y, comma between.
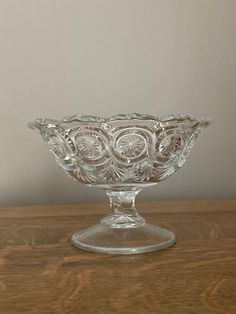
x: 142, y: 239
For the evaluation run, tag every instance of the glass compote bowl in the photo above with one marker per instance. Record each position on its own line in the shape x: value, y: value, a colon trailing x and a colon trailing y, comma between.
x: 121, y: 154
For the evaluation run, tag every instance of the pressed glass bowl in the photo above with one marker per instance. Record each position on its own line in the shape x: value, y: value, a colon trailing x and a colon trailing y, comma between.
x: 121, y: 154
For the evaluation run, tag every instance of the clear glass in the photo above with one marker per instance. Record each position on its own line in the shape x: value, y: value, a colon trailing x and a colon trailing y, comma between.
x: 121, y: 154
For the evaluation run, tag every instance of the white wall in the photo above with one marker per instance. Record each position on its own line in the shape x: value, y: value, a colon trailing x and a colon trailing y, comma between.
x: 62, y: 57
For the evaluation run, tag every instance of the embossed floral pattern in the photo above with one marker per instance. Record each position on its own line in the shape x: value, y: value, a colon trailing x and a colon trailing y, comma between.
x: 61, y: 151
x: 170, y: 141
x: 145, y: 171
x: 85, y: 173
x: 112, y: 172
x: 89, y: 146
x: 170, y: 144
x: 131, y: 145
x: 188, y: 147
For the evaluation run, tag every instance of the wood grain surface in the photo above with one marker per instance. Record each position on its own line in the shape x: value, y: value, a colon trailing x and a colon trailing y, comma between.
x: 41, y: 272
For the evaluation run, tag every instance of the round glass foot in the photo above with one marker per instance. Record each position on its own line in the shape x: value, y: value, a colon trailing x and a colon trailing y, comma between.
x: 103, y: 239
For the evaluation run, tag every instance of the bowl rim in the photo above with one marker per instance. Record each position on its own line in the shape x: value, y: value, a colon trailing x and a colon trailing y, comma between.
x: 132, y: 116
x: 178, y: 118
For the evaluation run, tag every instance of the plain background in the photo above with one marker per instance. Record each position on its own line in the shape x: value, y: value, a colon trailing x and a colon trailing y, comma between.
x: 62, y: 57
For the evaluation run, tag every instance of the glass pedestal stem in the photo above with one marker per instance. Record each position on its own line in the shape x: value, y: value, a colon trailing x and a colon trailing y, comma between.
x: 123, y: 230
x: 123, y: 212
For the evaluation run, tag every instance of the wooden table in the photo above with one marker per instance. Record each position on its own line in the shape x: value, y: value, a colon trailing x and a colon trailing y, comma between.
x: 41, y: 272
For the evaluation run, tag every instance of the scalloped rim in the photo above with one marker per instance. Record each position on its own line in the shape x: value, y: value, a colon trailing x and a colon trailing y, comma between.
x: 202, y: 122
